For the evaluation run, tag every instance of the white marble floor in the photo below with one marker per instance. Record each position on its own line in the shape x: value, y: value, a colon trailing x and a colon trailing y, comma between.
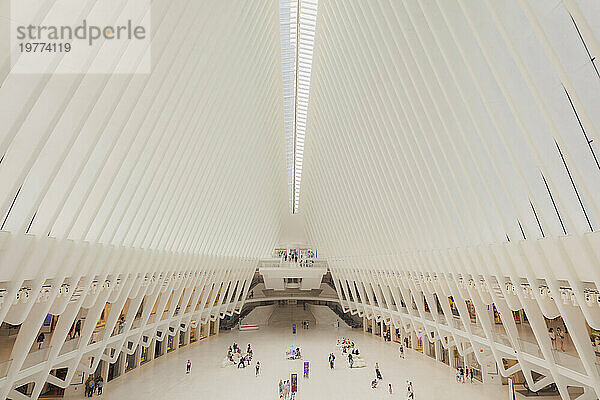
x: 165, y: 378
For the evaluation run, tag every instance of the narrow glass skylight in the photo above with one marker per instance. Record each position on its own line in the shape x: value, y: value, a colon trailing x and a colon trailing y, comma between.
x: 298, y: 21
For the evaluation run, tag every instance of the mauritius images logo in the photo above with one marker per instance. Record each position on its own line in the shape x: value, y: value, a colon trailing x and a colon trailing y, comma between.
x: 74, y: 36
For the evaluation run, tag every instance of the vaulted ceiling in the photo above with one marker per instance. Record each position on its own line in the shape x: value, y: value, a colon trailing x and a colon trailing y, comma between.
x: 430, y: 125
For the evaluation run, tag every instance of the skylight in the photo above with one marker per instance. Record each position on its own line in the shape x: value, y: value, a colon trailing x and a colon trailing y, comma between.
x: 298, y: 21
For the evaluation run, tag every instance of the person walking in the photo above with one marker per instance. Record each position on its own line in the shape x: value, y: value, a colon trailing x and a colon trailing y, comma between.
x: 378, y: 372
x: 188, y: 367
x: 350, y: 360
x: 411, y: 392
x: 471, y: 375
x: 390, y: 389
x: 257, y: 368
x: 100, y: 385
x: 280, y: 389
x: 401, y: 351
x: 331, y: 360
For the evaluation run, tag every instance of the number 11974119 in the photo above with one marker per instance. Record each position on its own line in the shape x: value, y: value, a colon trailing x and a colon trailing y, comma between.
x: 44, y: 47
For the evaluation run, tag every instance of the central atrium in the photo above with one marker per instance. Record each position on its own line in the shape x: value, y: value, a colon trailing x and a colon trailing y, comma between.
x: 300, y: 199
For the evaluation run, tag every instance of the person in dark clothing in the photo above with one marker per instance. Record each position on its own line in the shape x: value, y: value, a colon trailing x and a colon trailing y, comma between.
x: 77, y: 331
x: 40, y: 340
x: 92, y: 385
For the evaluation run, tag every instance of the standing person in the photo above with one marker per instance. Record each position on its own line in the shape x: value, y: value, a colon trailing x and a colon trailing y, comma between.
x: 100, y: 385
x: 280, y: 389
x: 121, y: 323
x: 390, y: 389
x: 350, y: 360
x: 552, y: 338
x: 87, y: 387
x: 331, y: 360
x: 40, y: 340
x: 462, y: 375
x: 466, y: 372
x: 188, y: 367
x: 257, y: 368
x: 91, y: 385
x: 560, y: 337
x: 471, y: 375
x: 77, y: 331
x: 378, y: 372
x: 401, y: 351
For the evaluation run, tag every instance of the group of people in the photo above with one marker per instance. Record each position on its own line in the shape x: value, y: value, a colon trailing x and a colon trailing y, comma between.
x: 346, y: 344
x: 464, y: 374
x: 293, y: 353
x: 304, y: 324
x: 285, y: 390
x: 235, y: 350
x: 557, y: 338
x: 93, y: 385
x: 75, y: 330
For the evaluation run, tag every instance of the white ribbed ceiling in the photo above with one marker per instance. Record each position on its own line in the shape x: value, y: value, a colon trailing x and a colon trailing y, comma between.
x: 189, y: 158
x: 448, y: 124
x: 431, y: 124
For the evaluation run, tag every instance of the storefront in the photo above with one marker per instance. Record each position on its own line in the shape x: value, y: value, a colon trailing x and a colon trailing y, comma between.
x: 159, y: 349
x: 171, y: 344
x: 182, y: 341
x: 419, y: 346
x: 497, y: 318
x: 431, y: 352
x: 453, y: 307
x: 131, y: 361
x: 144, y: 355
x: 398, y: 336
x: 471, y: 309
x: 475, y: 366
x: 457, y: 358
x: 444, y: 355
x: 114, y: 370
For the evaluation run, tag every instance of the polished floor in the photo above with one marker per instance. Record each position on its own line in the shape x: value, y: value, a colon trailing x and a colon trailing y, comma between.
x: 166, y: 378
